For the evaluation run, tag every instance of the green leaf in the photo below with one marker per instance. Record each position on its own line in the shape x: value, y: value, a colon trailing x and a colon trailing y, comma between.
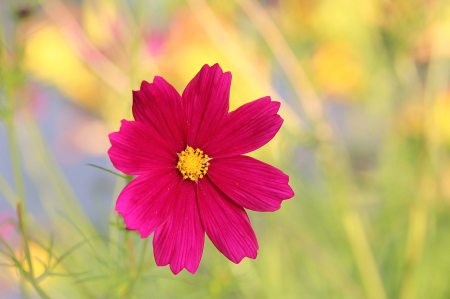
x: 110, y: 171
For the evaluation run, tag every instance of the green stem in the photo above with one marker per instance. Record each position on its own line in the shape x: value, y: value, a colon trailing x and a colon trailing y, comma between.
x: 9, y: 118
x: 8, y: 193
x: 110, y: 171
x: 15, y: 159
x: 39, y: 290
x: 30, y: 274
x: 25, y: 240
x: 138, y: 272
x: 35, y: 285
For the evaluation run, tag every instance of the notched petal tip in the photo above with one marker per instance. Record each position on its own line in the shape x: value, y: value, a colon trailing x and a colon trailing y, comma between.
x: 157, y: 80
x: 144, y: 84
x: 177, y: 270
x: 112, y: 136
x: 253, y: 257
x: 217, y: 67
x: 213, y: 68
x: 275, y: 104
x: 135, y: 93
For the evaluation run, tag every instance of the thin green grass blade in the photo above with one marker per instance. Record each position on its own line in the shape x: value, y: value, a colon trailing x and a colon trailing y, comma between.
x: 110, y: 171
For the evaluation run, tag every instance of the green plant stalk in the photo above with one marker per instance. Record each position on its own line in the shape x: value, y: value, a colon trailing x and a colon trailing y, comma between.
x: 139, y: 270
x: 344, y: 188
x: 415, y: 242
x: 38, y: 289
x: 15, y: 159
x: 8, y: 193
x: 236, y: 57
x: 110, y: 171
x: 69, y: 203
x: 35, y: 285
x: 9, y: 121
x: 13, y: 197
x: 286, y: 58
x: 363, y: 255
x: 28, y: 275
x: 25, y: 240
x: 435, y: 82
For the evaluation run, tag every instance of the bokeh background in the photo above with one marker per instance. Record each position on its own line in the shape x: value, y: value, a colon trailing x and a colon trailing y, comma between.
x: 364, y: 87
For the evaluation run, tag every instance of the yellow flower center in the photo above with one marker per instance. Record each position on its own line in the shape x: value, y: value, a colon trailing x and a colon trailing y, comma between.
x: 192, y: 163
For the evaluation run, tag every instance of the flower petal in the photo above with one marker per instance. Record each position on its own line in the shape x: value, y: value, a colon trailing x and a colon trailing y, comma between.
x: 206, y: 100
x: 225, y: 223
x: 147, y: 201
x: 246, y: 129
x: 250, y: 183
x: 138, y: 148
x: 159, y: 105
x: 179, y: 241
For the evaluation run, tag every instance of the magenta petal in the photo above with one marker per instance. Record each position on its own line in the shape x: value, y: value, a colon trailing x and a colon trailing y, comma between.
x: 179, y: 241
x: 250, y: 183
x: 225, y: 223
x: 246, y: 129
x: 137, y: 148
x: 147, y: 201
x: 206, y: 100
x: 159, y: 105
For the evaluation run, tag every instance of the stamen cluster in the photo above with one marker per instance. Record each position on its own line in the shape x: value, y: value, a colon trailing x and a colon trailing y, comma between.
x: 192, y: 163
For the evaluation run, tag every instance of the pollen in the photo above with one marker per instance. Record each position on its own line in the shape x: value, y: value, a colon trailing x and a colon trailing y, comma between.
x: 193, y: 164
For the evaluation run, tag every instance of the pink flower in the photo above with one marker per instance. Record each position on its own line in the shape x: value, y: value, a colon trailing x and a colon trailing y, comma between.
x: 187, y: 151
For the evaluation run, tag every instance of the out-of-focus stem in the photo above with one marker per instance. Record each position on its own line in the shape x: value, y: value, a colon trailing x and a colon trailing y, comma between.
x: 305, y: 92
x: 327, y: 265
x: 40, y: 291
x: 36, y: 286
x: 7, y: 112
x: 363, y: 254
x: 9, y: 121
x: 25, y: 239
x: 7, y: 192
x: 102, y: 66
x: 15, y: 159
x: 51, y: 169
x: 30, y: 274
x: 237, y: 58
x: 144, y: 251
x: 134, y: 270
x: 130, y: 250
x: 416, y: 237
x: 428, y: 173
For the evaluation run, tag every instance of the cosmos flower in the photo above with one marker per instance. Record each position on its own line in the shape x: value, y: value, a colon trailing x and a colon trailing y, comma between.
x: 193, y: 178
